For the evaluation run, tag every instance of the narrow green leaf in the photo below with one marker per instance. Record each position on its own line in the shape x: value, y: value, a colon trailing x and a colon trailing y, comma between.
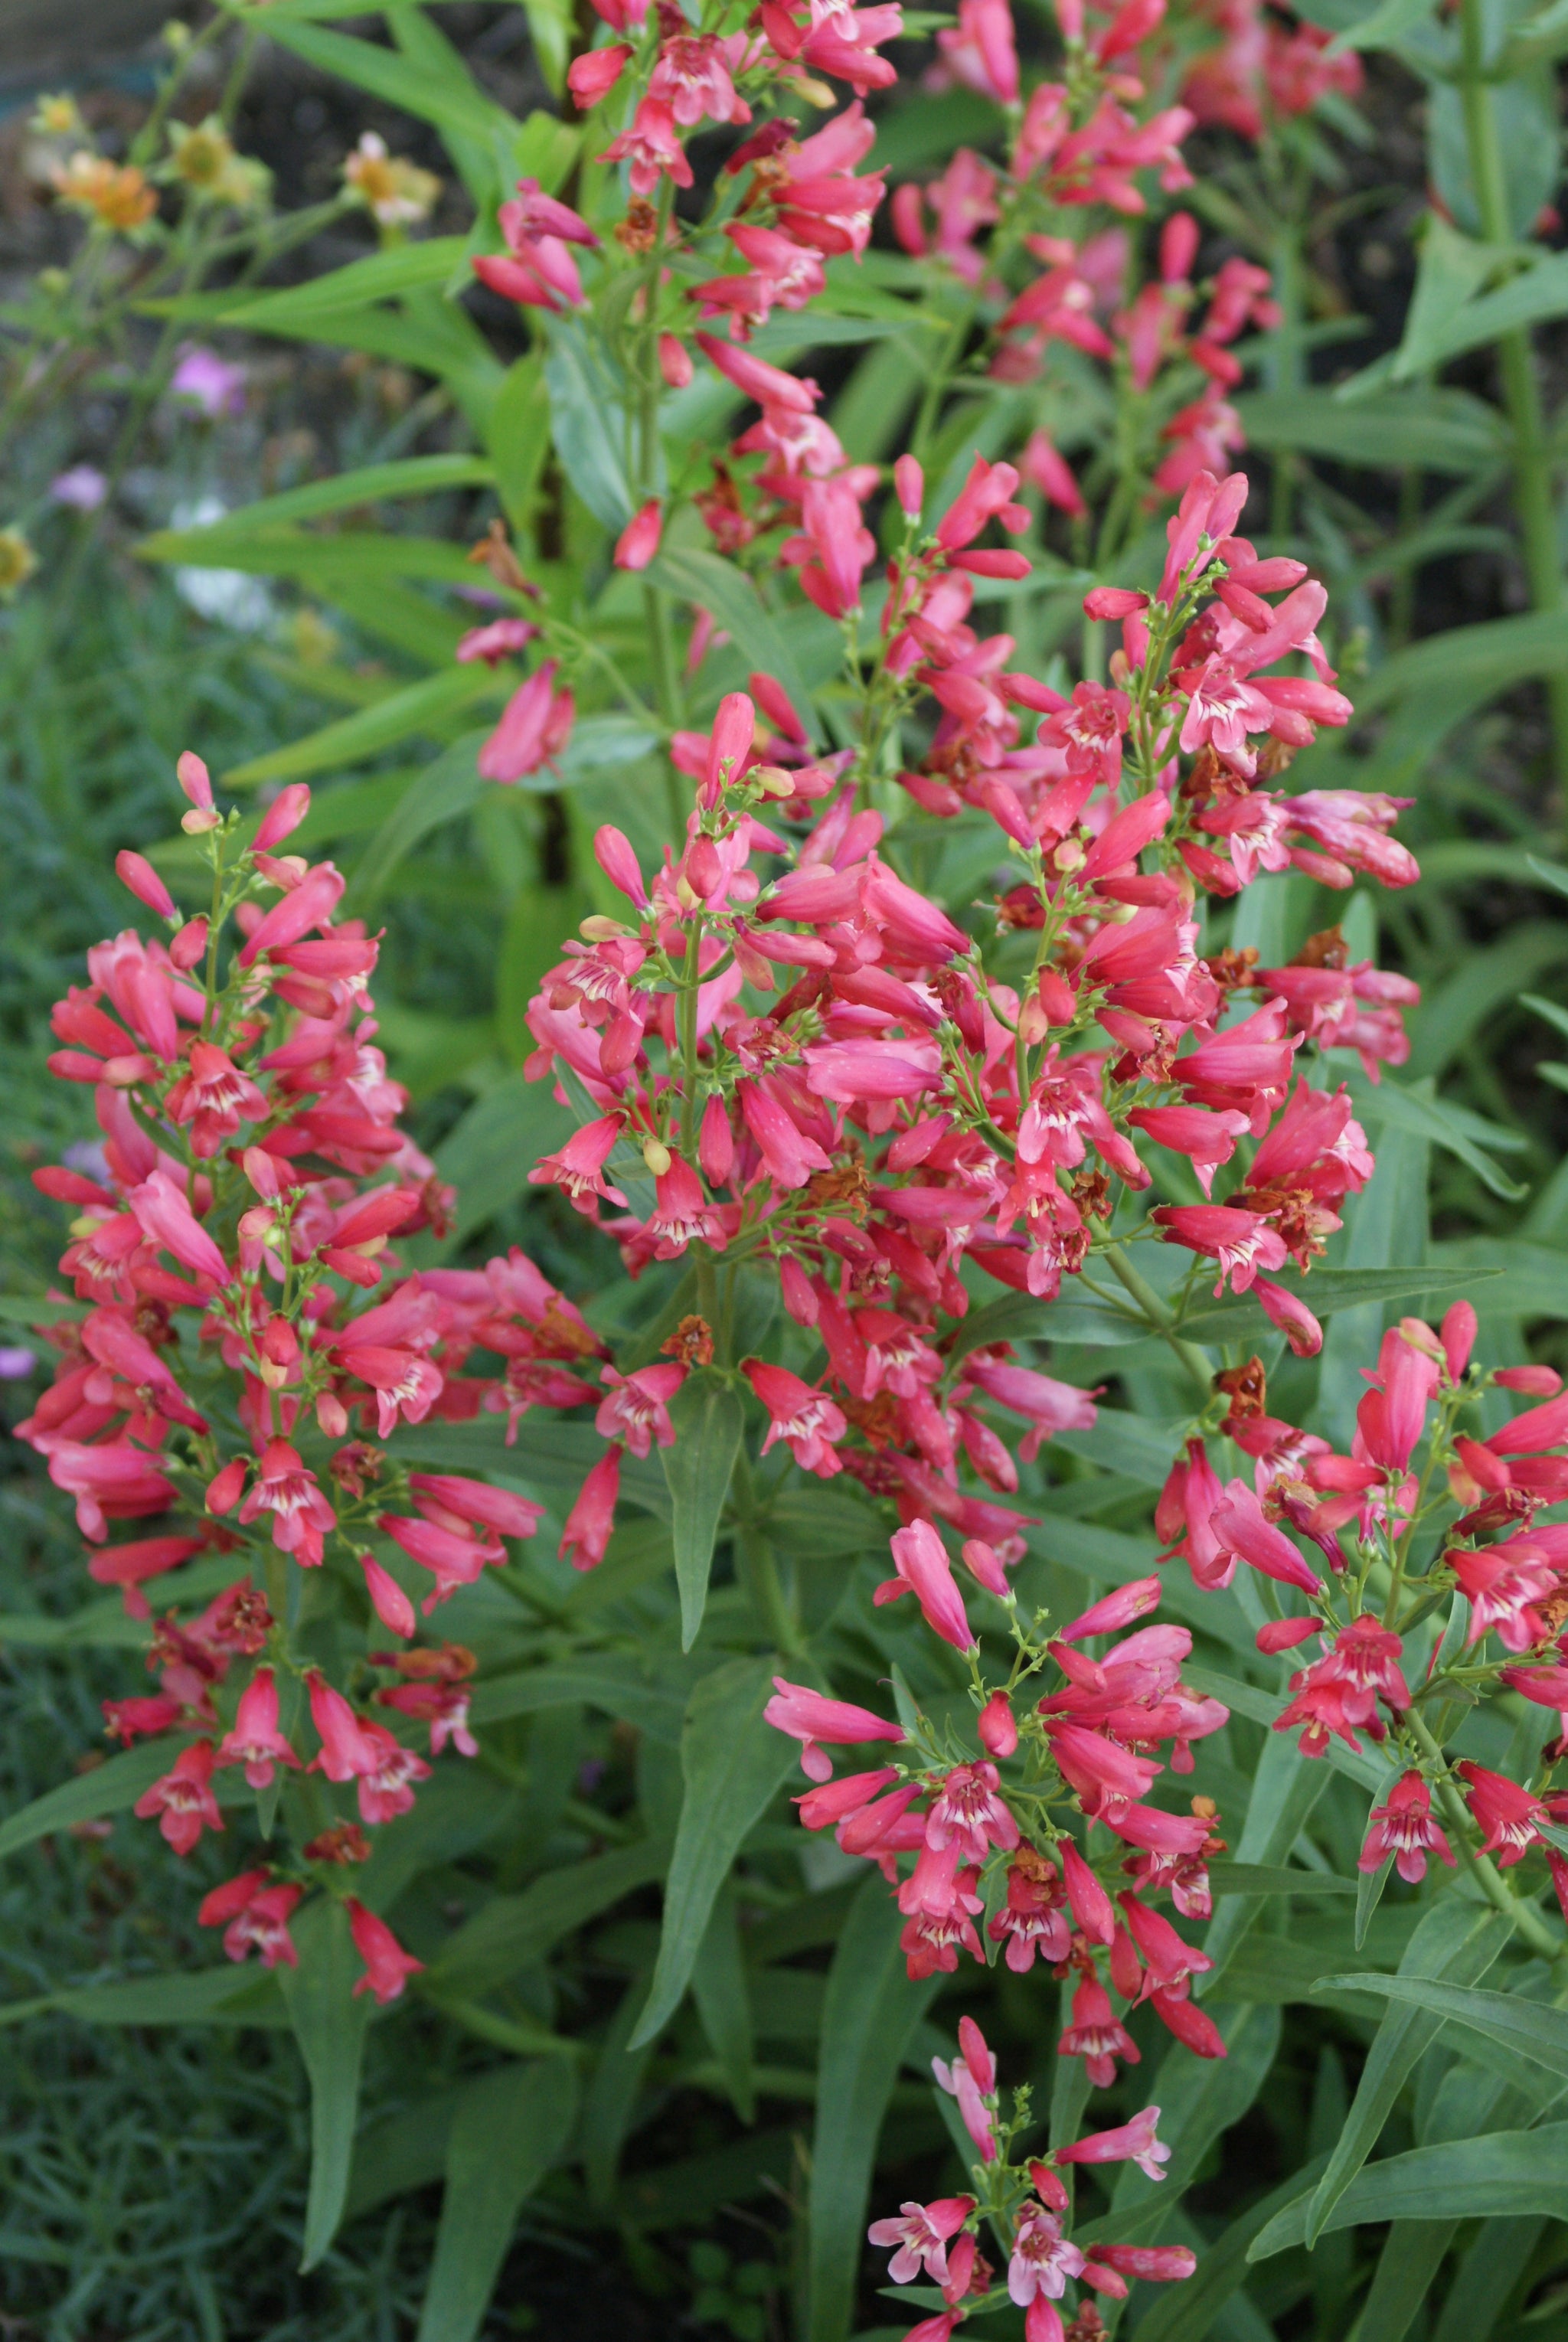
x: 732, y: 1764
x: 588, y: 419
x: 41, y: 1309
x: 109, y: 1788
x: 611, y: 2097
x: 1479, y: 2296
x: 414, y: 476
x: 1506, y: 2171
x: 1285, y: 1792
x: 226, y: 1995
x: 415, y: 708
x: 622, y: 1687
x: 1240, y: 1317
x: 380, y: 276
x: 1441, y: 430
x: 508, y: 2129
x: 397, y: 81
x: 722, y: 1997
x: 708, y: 1419
x: 489, y: 1152
x: 329, y: 2022
x: 1370, y: 1885
x: 711, y: 583
x: 1383, y: 28
x: 443, y: 792
x: 1264, y: 1879
x: 1194, y: 2310
x: 513, y: 1931
x: 1455, y: 1944
x: 1538, y: 2032
x: 1413, y: 2253
x: 869, y: 2017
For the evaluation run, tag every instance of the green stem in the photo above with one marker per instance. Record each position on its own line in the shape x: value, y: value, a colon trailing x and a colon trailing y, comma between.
x: 1159, y: 1318
x: 1482, y: 1868
x: 755, y: 1566
x: 1533, y: 497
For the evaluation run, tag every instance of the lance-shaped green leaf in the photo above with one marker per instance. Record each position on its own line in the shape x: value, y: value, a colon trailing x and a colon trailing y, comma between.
x: 587, y: 416
x: 1412, y: 2254
x: 1285, y: 1792
x: 1506, y: 2171
x: 1368, y: 1896
x: 1536, y: 2032
x: 512, y: 1931
x: 508, y: 2128
x: 1191, y: 2312
x: 1240, y: 1315
x: 443, y: 792
x: 417, y: 707
x: 728, y: 595
x: 328, y: 2023
x: 732, y: 1764
x: 109, y: 1788
x: 720, y: 1991
x: 869, y: 2017
x: 1454, y: 1944
x: 465, y: 112
x: 707, y: 1418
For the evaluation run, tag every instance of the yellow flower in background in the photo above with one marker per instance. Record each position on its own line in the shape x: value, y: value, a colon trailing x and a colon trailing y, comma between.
x: 57, y: 117
x: 395, y: 192
x: 115, y: 195
x: 17, y: 562
x: 202, y: 157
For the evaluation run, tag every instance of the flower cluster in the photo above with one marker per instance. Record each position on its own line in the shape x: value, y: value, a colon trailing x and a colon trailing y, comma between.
x: 1027, y: 2203
x: 243, y: 1336
x: 1404, y: 1642
x: 982, y: 1840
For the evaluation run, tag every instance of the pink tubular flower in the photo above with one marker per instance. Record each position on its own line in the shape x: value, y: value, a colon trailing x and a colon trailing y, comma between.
x: 971, y: 2078
x: 578, y: 1168
x: 1244, y: 1534
x: 1095, y: 2037
x: 639, y: 540
x: 1242, y: 1242
x: 1339, y: 1693
x: 1042, y: 2258
x: 1404, y: 1827
x: 1032, y: 1919
x: 920, y: 2234
x: 1133, y: 2142
x: 967, y: 1812
x: 586, y: 1533
x: 996, y: 1725
x: 387, y: 1967
x: 255, y: 1741
x: 650, y: 147
x: 302, y: 1514
x: 924, y: 1571
x: 135, y: 871
x: 253, y: 1913
x: 1289, y: 1313
x: 811, y: 1717
x: 636, y: 1408
x: 807, y: 1418
x: 347, y: 1752
x: 1091, y: 1906
x: 182, y: 1798
x: 1113, y: 1611
x: 1168, y: 1961
x: 591, y: 78
x: 1156, y: 2264
x: 533, y: 729
x: 1505, y: 1814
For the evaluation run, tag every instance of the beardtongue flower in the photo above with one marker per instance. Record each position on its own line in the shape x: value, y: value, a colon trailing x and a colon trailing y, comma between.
x: 811, y: 1719
x: 923, y: 1571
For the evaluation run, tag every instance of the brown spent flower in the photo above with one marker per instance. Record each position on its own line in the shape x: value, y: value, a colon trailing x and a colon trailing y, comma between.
x: 345, y: 1842
x: 692, y: 1343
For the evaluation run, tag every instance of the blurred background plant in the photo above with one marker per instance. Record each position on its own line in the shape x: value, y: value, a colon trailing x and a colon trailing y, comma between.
x: 251, y: 436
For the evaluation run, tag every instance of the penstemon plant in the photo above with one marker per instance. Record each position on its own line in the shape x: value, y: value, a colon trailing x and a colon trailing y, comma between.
x: 916, y: 1023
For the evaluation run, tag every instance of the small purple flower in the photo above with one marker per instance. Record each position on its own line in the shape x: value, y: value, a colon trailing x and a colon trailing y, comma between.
x: 209, y: 382
x: 82, y: 487
x: 17, y: 1363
